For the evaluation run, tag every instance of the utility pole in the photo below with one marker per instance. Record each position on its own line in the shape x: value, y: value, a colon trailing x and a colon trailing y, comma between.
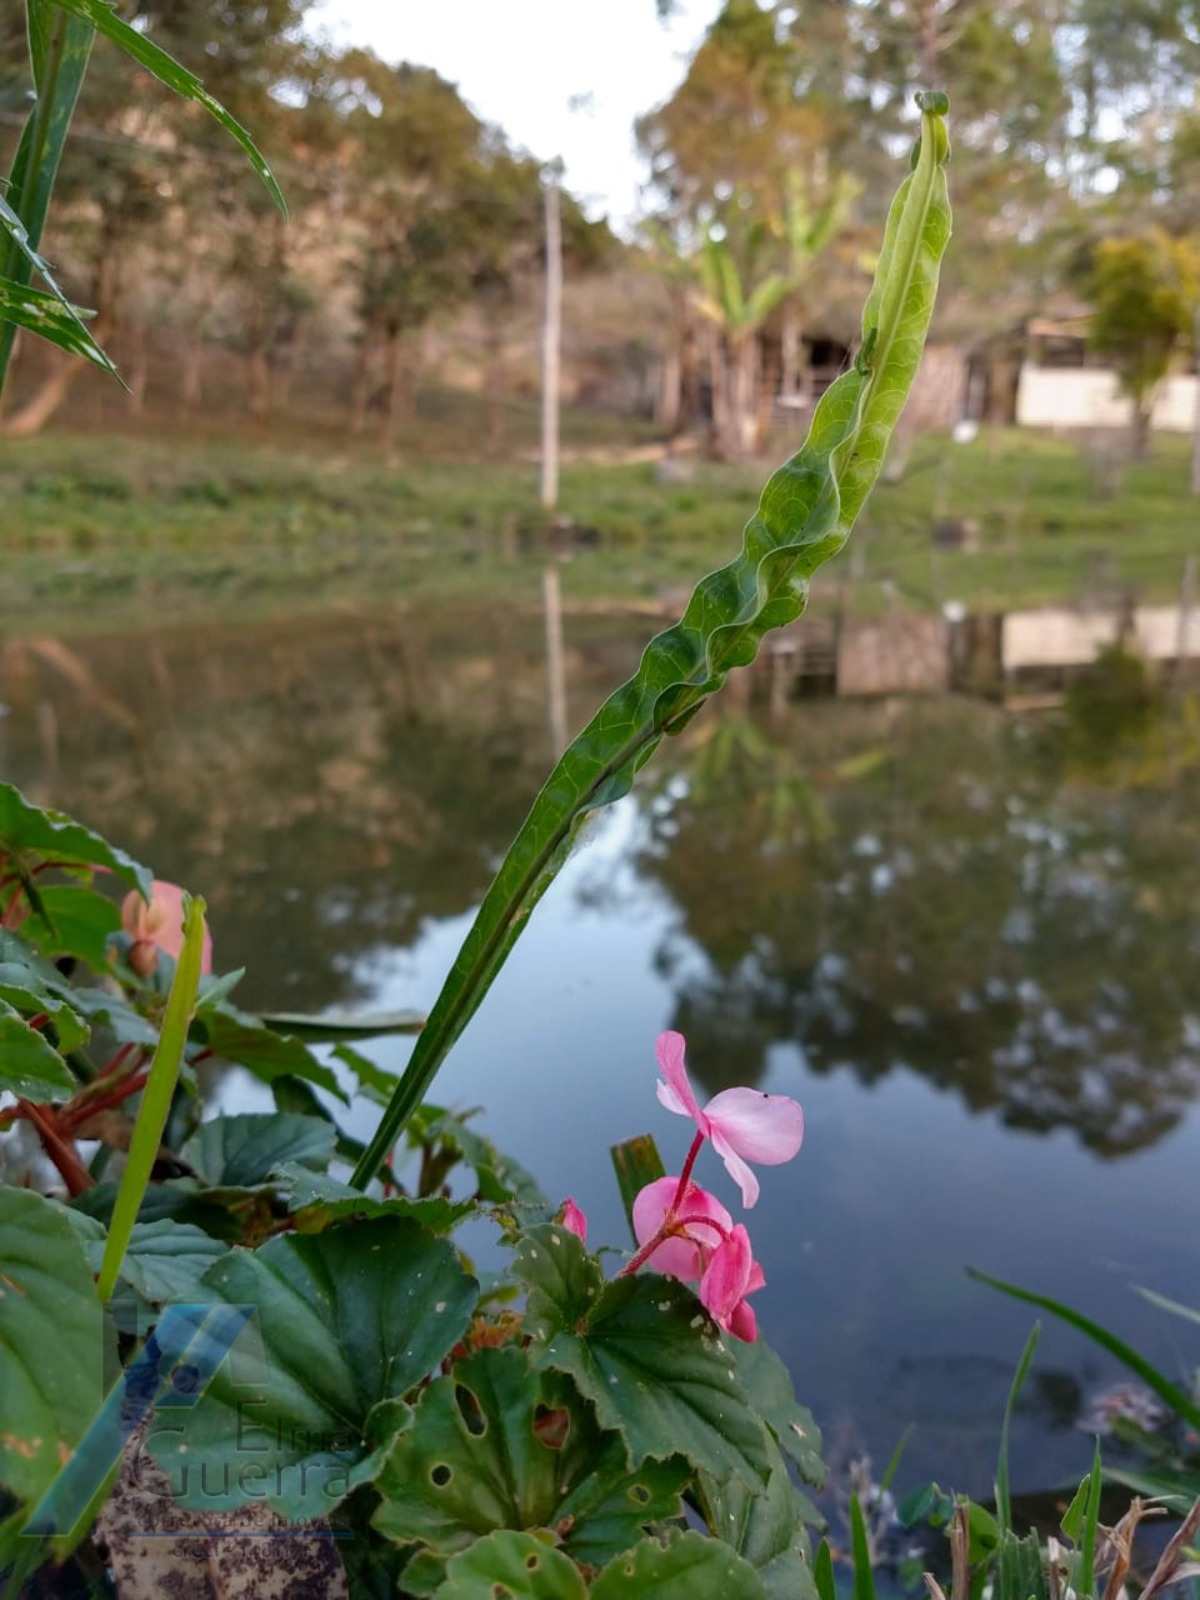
x: 551, y: 337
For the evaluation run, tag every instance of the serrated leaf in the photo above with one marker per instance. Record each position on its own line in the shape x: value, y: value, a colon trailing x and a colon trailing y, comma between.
x: 240, y: 1151
x: 53, y: 1342
x: 765, y: 1528
x: 164, y: 1260
x: 30, y: 1067
x: 27, y: 830
x: 563, y: 1281
x: 805, y: 516
x: 238, y: 1037
x: 768, y: 1383
x: 500, y: 1178
x: 517, y: 1566
x: 348, y: 1322
x: 319, y: 1200
x: 655, y: 1366
x: 53, y: 319
x: 497, y: 1444
x: 686, y: 1567
x: 167, y: 70
x: 226, y: 1214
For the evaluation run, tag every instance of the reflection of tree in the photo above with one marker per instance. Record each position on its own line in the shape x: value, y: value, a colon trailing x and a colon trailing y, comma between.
x: 330, y: 790
x: 959, y: 912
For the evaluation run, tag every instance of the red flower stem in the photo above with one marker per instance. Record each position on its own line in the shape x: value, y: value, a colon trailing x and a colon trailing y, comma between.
x: 60, y: 1150
x: 78, y: 1112
x: 681, y: 1190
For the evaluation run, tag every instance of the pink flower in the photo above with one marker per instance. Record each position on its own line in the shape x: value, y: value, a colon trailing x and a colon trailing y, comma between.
x: 730, y: 1275
x: 573, y: 1219
x: 158, y: 926
x: 700, y: 1242
x: 743, y: 1124
x: 698, y: 1226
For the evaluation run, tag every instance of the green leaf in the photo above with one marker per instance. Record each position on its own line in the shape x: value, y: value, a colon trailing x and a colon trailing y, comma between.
x: 101, y: 15
x: 348, y: 1322
x: 805, y: 516
x: 563, y: 1280
x: 156, y: 1099
x: 53, y: 1342
x: 1173, y: 1306
x: 320, y: 1200
x: 512, y: 1566
x: 78, y: 922
x: 765, y: 1528
x: 646, y: 1354
x: 164, y: 1260
x: 636, y: 1162
x: 51, y: 318
x: 1175, y: 1398
x: 1178, y: 1491
x: 28, y: 830
x: 238, y: 1037
x: 59, y: 46
x: 864, y: 1575
x: 69, y: 1027
x: 823, y: 1573
x: 686, y: 1567
x: 1003, y: 1498
x: 497, y: 1444
x: 240, y: 1151
x: 334, y: 1026
x: 768, y: 1384
x: 500, y: 1178
x: 30, y: 1066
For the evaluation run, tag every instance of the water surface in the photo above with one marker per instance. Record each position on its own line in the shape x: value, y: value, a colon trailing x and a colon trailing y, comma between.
x: 966, y: 941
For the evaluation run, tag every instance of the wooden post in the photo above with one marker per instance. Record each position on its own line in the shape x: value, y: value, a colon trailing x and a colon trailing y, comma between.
x: 555, y: 665
x: 551, y: 338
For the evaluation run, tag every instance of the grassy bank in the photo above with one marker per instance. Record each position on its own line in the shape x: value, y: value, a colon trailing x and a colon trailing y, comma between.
x: 98, y: 530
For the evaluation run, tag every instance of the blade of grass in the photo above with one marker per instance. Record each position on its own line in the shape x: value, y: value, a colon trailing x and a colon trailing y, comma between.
x: 156, y: 1097
x: 901, y: 1445
x: 864, y: 1576
x: 1091, y: 1524
x: 823, y: 1573
x: 1162, y: 1386
x: 1003, y: 1497
x: 636, y: 1162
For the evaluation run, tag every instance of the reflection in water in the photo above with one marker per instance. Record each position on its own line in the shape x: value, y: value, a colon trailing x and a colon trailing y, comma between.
x: 940, y: 901
x: 942, y: 928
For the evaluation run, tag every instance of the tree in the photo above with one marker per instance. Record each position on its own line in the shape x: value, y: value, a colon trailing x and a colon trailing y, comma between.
x: 1143, y: 291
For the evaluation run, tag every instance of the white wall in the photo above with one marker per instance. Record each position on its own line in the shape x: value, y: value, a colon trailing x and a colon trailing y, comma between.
x: 1088, y: 397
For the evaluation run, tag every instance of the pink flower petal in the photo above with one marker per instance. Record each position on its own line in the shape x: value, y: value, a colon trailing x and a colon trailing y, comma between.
x: 736, y: 1168
x: 731, y: 1274
x: 160, y: 923
x: 573, y: 1219
x: 767, y: 1128
x: 743, y: 1324
x: 703, y: 1217
x: 676, y: 1093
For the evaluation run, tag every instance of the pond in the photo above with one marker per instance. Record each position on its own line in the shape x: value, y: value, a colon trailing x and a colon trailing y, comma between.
x: 967, y: 941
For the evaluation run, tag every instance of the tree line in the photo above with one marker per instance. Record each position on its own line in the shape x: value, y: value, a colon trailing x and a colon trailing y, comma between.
x: 1076, y: 135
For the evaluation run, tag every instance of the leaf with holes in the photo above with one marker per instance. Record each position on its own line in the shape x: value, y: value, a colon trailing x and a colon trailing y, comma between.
x: 646, y: 1354
x: 348, y: 1322
x: 686, y: 1566
x: 53, y: 1342
x: 497, y: 1444
x: 512, y: 1566
x: 240, y: 1151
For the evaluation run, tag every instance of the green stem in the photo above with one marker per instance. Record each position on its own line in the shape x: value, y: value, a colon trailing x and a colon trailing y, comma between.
x: 156, y: 1099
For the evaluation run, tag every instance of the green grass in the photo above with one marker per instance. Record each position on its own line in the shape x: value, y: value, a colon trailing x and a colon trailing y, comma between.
x: 99, y: 530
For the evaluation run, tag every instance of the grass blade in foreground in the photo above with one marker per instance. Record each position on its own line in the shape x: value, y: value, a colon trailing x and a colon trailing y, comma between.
x: 156, y: 1097
x: 804, y: 517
